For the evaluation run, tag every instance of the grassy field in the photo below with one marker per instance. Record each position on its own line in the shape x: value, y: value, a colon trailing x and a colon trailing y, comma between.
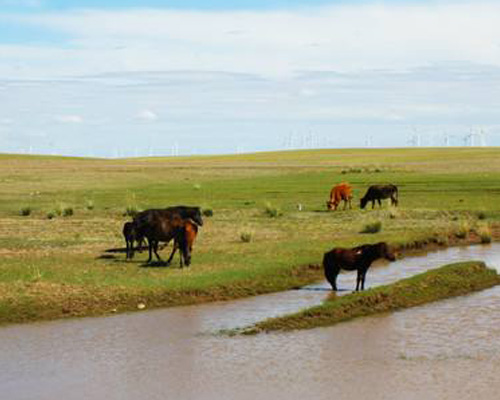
x: 442, y: 283
x: 54, y: 266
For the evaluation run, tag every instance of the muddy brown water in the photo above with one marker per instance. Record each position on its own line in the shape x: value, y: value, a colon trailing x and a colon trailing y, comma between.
x: 444, y: 350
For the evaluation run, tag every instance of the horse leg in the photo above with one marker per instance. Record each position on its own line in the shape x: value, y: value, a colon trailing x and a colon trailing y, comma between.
x: 140, y: 244
x: 187, y: 256
x: 126, y: 251
x: 331, y: 273
x: 174, y: 249
x: 150, y: 250
x: 379, y: 203
x: 373, y: 204
x: 130, y: 251
x: 155, y: 249
x: 358, y: 280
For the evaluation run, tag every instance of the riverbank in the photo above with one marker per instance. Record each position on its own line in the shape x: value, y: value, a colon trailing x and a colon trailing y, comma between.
x: 46, y: 302
x: 442, y: 283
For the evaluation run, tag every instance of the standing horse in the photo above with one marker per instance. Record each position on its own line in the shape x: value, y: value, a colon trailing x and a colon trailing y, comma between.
x: 358, y: 258
x: 131, y: 234
x: 163, y: 225
x: 184, y: 240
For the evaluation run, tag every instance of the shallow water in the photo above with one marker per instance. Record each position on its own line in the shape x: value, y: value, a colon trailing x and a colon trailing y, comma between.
x: 449, y: 349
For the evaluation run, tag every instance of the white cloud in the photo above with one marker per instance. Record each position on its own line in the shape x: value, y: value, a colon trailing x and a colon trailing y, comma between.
x: 69, y: 119
x: 147, y: 115
x: 343, y: 38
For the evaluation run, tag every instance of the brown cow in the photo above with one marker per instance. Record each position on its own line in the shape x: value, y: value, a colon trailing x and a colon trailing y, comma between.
x: 340, y: 192
x: 183, y: 240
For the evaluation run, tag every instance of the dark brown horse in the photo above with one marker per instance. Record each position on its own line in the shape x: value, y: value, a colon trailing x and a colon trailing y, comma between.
x: 183, y: 240
x: 358, y: 258
x: 163, y: 225
x: 131, y: 235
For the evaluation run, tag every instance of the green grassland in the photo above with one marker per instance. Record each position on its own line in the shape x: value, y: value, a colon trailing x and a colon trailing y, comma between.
x: 57, y: 267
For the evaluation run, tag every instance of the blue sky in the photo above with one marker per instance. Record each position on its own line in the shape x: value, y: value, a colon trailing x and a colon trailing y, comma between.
x: 34, y: 5
x: 183, y: 77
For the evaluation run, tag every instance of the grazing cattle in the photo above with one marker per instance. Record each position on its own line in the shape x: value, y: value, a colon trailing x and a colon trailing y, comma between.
x: 358, y: 258
x: 340, y: 192
x: 183, y: 240
x: 131, y: 234
x: 380, y: 192
x: 162, y: 225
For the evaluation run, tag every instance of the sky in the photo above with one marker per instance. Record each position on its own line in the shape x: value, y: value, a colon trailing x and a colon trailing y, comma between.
x: 128, y: 78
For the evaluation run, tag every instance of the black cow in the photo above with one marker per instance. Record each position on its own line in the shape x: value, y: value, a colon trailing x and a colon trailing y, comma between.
x: 380, y: 192
x: 163, y: 225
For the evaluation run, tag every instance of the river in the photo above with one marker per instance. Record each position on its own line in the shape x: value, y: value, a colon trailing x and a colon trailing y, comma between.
x: 444, y: 350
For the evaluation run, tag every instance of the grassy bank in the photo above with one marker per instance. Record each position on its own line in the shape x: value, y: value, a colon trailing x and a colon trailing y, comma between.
x: 448, y: 281
x: 53, y: 262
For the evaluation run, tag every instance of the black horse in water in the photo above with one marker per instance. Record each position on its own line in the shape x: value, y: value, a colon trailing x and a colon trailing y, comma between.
x: 358, y: 258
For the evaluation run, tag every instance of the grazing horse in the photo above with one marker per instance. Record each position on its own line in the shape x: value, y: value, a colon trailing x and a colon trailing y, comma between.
x: 340, y: 192
x: 183, y: 240
x: 358, y: 258
x: 131, y: 234
x: 380, y: 192
x: 163, y: 225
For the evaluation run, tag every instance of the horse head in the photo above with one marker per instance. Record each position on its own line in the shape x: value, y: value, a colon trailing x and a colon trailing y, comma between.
x: 386, y: 252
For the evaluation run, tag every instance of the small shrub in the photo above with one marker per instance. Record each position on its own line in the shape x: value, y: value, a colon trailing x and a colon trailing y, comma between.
x: 196, y: 186
x: 393, y: 213
x: 443, y: 240
x: 272, y: 212
x: 51, y: 214
x: 484, y: 233
x: 62, y: 210
x: 207, y: 212
x: 89, y: 205
x: 25, y: 211
x: 246, y: 237
x: 372, y: 227
x: 35, y: 274
x: 463, y: 230
x: 67, y: 212
x: 481, y: 215
x: 131, y: 211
